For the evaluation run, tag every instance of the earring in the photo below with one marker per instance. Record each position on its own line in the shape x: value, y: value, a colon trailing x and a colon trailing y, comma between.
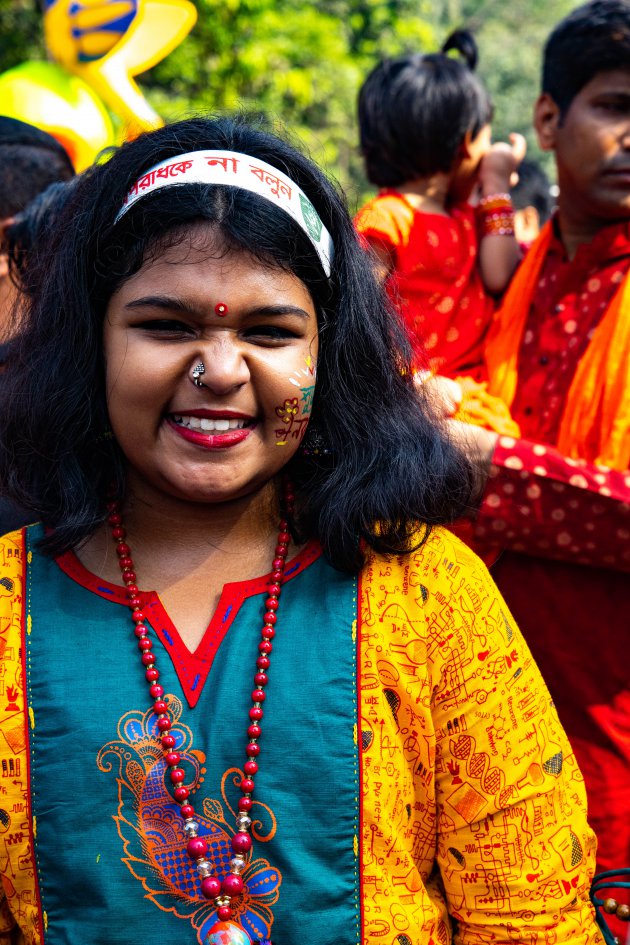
x: 197, y: 371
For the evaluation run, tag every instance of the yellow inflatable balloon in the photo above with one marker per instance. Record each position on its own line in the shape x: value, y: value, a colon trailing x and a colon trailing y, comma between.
x: 108, y: 42
x: 44, y: 95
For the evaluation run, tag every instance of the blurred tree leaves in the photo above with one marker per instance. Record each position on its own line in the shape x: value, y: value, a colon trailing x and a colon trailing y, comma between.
x: 301, y: 63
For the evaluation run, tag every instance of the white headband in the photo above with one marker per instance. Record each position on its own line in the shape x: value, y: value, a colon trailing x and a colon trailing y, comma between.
x: 229, y: 168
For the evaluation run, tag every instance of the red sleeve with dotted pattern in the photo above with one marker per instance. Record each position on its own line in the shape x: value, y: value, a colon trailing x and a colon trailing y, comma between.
x: 542, y: 503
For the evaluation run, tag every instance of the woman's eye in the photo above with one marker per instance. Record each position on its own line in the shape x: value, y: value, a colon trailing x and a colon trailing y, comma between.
x: 166, y: 326
x: 268, y: 333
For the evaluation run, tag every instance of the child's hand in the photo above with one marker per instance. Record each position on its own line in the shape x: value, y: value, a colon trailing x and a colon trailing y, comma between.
x: 497, y: 172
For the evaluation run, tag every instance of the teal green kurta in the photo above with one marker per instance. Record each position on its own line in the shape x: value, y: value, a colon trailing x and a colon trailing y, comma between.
x: 105, y: 818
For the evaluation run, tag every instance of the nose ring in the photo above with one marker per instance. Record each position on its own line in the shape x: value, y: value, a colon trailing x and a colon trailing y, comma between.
x: 197, y: 371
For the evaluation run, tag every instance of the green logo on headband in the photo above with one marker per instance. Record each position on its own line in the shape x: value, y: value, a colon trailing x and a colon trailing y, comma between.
x: 311, y: 220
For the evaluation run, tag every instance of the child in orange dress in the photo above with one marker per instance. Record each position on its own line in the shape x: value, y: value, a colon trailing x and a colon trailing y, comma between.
x: 425, y: 138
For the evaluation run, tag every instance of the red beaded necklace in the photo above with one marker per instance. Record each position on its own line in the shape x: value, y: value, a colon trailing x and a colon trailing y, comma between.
x: 224, y: 932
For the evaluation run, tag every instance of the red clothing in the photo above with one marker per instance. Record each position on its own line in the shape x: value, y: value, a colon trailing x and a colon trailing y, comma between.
x: 435, y: 281
x: 564, y: 526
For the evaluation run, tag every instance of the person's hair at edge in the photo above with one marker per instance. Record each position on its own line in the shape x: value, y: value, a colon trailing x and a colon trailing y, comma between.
x: 30, y: 160
x: 415, y: 110
x: 532, y: 190
x: 30, y: 230
x: 390, y: 466
x: 593, y: 38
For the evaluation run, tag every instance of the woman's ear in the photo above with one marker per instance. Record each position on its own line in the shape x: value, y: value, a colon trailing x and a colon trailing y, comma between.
x: 546, y: 121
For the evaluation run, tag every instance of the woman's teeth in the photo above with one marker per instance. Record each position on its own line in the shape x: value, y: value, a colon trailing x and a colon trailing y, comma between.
x: 209, y: 426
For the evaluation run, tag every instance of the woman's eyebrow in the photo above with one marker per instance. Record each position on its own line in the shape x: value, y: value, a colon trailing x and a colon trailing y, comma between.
x: 166, y: 302
x: 186, y: 307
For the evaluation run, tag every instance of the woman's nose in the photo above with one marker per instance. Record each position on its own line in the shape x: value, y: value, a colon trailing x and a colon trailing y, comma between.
x: 220, y: 366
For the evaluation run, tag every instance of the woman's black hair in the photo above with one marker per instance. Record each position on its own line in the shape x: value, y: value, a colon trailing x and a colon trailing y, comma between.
x: 593, y: 38
x: 415, y: 111
x: 389, y: 467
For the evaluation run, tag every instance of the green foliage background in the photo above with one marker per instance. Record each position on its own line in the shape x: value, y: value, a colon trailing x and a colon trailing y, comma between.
x: 301, y: 63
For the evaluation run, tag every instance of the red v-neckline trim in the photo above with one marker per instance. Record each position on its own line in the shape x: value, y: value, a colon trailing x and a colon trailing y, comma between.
x: 192, y: 668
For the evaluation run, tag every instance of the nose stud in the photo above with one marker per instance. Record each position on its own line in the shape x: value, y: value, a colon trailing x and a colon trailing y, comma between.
x: 197, y: 371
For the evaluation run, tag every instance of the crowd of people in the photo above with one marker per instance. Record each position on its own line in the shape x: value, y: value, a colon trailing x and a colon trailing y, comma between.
x: 314, y: 592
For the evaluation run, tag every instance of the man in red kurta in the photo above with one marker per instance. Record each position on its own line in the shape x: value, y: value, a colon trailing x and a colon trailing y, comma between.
x: 556, y: 503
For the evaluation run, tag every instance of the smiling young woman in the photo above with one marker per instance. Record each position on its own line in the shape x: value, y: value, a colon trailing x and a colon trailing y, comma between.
x: 252, y: 689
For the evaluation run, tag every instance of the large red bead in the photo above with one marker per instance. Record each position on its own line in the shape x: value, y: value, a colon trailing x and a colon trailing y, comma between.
x: 125, y: 563
x: 140, y: 630
x: 144, y: 643
x: 256, y: 713
x: 263, y: 662
x: 115, y: 518
x: 276, y: 576
x: 232, y: 885
x: 177, y: 775
x: 173, y: 758
x: 164, y: 724
x: 168, y: 741
x: 224, y: 913
x: 152, y: 675
x: 129, y: 577
x: 281, y: 550
x: 181, y: 793
x: 117, y: 532
x: 132, y: 591
x: 210, y: 887
x: 271, y: 603
x: 265, y: 647
x: 277, y: 564
x: 247, y: 786
x: 245, y: 804
x: 252, y: 750
x: 261, y: 679
x: 241, y: 842
x: 258, y: 695
x: 135, y: 602
x: 138, y: 616
x: 284, y: 537
x: 156, y: 691
x: 270, y: 616
x: 254, y: 731
x: 268, y: 633
x: 250, y: 767
x: 147, y: 658
x: 122, y: 548
x: 187, y: 810
x: 196, y: 848
x: 160, y: 706
x: 274, y: 589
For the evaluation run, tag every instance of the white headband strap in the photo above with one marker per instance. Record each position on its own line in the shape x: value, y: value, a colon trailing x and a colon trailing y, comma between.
x: 229, y: 168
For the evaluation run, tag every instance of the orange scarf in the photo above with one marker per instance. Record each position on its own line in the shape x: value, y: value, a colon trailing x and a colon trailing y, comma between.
x: 595, y: 423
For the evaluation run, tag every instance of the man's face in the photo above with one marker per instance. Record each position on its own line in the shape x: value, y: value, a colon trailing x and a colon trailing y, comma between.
x: 592, y: 149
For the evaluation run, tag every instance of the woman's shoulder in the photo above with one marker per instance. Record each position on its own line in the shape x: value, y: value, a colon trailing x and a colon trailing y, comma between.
x: 442, y: 555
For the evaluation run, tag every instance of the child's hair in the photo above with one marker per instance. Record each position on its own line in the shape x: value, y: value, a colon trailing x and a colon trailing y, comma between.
x: 386, y: 466
x: 532, y: 190
x: 414, y: 112
x: 593, y: 38
x: 30, y: 160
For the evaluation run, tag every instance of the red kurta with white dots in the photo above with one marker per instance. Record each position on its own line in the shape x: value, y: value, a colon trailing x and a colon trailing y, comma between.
x: 563, y: 527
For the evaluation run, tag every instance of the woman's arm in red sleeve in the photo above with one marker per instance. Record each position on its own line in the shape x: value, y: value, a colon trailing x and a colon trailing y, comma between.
x: 539, y: 502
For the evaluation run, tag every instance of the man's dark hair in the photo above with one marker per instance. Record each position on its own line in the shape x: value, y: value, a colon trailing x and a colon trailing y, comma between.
x: 390, y: 465
x: 593, y: 38
x: 414, y: 112
x: 532, y: 190
x: 30, y: 160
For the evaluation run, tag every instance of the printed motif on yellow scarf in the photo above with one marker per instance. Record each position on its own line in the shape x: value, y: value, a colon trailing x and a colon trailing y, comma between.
x: 464, y: 765
x: 19, y: 894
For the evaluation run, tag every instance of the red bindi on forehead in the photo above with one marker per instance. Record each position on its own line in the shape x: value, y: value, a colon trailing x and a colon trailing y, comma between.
x: 221, y: 309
